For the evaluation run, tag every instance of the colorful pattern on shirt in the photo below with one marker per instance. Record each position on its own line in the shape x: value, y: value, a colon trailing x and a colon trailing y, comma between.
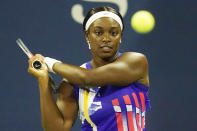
x: 112, y: 108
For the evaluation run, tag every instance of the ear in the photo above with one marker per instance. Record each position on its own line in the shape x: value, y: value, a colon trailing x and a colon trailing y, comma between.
x: 86, y: 35
x: 87, y: 39
x: 121, y: 37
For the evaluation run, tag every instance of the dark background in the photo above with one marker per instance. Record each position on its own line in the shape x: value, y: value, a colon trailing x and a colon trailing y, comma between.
x: 47, y: 27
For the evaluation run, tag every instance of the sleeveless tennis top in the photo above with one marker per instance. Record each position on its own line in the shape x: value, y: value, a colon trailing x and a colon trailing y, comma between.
x: 112, y: 108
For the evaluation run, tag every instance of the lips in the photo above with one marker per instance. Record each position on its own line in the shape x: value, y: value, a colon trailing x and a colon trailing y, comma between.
x: 106, y: 48
x: 106, y: 45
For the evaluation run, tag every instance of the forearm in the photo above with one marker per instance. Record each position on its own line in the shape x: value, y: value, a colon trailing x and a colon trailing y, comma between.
x: 127, y: 69
x: 54, y: 118
x: 74, y: 74
x: 51, y: 117
x: 89, y: 78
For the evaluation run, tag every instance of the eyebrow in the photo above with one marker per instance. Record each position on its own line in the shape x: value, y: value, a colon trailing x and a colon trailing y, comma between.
x: 114, y: 27
x: 98, y: 27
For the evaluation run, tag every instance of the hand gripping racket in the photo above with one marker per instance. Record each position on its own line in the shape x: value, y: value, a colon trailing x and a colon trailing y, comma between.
x: 36, y: 64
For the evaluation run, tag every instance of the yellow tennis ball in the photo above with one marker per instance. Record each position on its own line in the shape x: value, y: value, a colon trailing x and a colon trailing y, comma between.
x: 142, y: 22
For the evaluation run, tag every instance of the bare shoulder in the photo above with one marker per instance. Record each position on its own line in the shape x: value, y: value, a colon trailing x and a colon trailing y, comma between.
x: 133, y: 57
x: 136, y: 63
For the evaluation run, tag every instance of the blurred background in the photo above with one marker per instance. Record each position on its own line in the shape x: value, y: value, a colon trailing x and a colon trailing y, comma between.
x: 52, y: 28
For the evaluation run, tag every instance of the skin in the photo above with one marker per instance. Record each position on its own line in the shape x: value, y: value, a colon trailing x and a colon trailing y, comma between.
x: 104, y: 37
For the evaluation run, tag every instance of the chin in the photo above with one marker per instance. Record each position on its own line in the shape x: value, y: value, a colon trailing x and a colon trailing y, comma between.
x: 107, y: 55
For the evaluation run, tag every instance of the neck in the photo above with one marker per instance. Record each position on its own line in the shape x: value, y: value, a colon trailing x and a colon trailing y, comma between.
x: 98, y: 62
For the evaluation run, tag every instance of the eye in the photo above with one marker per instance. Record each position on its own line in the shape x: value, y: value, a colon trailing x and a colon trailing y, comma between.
x: 98, y: 33
x: 114, y: 33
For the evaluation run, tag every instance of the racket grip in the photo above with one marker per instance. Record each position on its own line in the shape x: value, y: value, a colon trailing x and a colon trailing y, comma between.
x: 37, y: 64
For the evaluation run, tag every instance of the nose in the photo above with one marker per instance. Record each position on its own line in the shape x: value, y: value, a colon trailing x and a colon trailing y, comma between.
x: 106, y: 38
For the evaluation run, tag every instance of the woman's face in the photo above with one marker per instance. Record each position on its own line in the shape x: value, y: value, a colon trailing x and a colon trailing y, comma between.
x: 104, y: 37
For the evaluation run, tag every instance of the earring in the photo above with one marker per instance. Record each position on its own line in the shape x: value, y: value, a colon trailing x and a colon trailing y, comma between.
x: 88, y: 44
x: 120, y: 40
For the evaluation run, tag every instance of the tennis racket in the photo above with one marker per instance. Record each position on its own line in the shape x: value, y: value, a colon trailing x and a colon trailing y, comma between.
x: 36, y: 64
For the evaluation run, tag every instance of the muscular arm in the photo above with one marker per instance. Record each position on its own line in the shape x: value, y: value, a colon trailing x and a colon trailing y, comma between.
x: 130, y: 67
x: 55, y: 116
x: 59, y: 115
x: 67, y: 105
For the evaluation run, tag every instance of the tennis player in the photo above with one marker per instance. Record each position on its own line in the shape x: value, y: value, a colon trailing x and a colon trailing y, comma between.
x: 109, y: 92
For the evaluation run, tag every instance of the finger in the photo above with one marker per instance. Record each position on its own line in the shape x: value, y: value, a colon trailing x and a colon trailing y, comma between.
x: 40, y: 56
x: 33, y: 58
x: 37, y: 73
x: 44, y: 67
x: 32, y: 71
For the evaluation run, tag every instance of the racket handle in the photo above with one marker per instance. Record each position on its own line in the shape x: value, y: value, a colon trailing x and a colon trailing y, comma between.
x: 53, y: 84
x: 37, y: 64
